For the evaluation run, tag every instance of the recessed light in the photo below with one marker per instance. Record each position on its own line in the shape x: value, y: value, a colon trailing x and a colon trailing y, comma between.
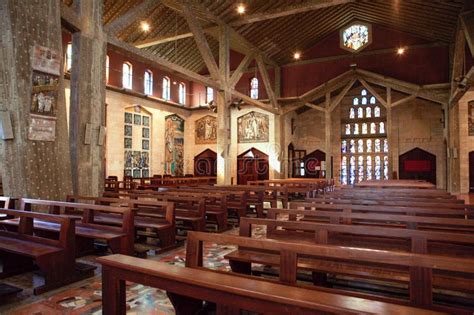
x: 145, y: 26
x: 297, y: 55
x: 401, y: 51
x: 241, y: 8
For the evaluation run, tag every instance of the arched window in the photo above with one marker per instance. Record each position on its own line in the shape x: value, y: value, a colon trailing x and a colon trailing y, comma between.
x: 364, y: 100
x: 254, y: 88
x: 356, y: 129
x: 348, y: 129
x: 344, y: 146
x: 368, y: 112
x: 369, y: 167
x: 360, y: 146
x: 372, y: 100
x: 360, y: 112
x: 376, y: 111
x: 364, y: 128
x: 148, y: 80
x: 68, y: 63
x: 373, y: 128
x: 107, y: 69
x: 127, y: 75
x: 355, y: 101
x: 182, y: 93
x: 369, y: 146
x: 166, y: 93
x: 363, y: 92
x: 382, y: 127
x: 209, y: 94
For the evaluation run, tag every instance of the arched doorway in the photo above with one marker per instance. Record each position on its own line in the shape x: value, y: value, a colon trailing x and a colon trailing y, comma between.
x: 471, y: 171
x: 205, y: 163
x: 418, y: 164
x: 252, y: 165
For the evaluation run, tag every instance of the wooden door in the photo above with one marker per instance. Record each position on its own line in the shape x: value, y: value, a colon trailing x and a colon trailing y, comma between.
x: 418, y: 164
x: 252, y: 165
x: 205, y: 163
x: 471, y: 172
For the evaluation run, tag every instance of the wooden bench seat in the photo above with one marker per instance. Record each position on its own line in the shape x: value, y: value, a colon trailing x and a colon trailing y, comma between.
x: 153, y: 218
x: 419, y: 267
x: 120, y: 239
x: 21, y: 246
x: 188, y: 287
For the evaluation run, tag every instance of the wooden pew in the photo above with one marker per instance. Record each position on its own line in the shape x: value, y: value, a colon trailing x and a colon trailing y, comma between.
x: 215, y: 202
x: 4, y: 202
x: 291, y: 257
x: 400, y: 183
x: 374, y: 219
x: 188, y: 287
x: 152, y: 218
x: 119, y: 239
x: 54, y: 257
x: 348, y: 207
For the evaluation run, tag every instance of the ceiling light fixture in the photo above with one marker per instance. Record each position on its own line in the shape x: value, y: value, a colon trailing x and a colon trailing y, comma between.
x: 297, y: 55
x: 401, y: 51
x: 145, y: 26
x: 241, y: 8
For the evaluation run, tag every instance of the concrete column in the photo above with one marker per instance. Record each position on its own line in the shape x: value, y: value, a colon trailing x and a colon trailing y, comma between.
x: 37, y: 169
x: 277, y: 153
x: 223, y: 112
x: 88, y: 100
x: 328, y: 134
x: 389, y: 133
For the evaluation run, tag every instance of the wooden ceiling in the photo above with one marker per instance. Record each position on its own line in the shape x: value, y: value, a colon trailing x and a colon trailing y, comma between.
x: 279, y: 37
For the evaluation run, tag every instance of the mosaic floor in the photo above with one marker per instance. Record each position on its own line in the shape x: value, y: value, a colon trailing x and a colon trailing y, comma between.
x: 85, y: 297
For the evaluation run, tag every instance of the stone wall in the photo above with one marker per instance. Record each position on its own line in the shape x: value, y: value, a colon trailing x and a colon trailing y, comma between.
x: 466, y: 142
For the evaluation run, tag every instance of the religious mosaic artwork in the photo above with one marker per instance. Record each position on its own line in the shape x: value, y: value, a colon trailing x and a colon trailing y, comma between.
x: 471, y: 118
x: 253, y: 127
x: 355, y: 37
x: 137, y: 142
x: 174, y: 145
x: 206, y: 130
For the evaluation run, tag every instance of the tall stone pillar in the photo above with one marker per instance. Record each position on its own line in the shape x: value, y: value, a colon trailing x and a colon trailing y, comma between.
x: 37, y: 169
x: 87, y: 112
x: 223, y: 112
x: 328, y: 133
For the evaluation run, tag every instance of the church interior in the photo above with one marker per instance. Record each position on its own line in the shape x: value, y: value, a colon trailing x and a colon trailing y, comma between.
x: 236, y: 157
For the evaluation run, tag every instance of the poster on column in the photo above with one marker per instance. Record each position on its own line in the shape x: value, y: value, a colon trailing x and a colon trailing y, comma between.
x: 46, y: 65
x: 174, y: 145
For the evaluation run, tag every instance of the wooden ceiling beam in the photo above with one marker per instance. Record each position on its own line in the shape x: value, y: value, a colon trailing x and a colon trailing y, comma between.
x: 289, y: 10
x: 329, y: 86
x: 70, y: 17
x: 373, y: 92
x: 162, y: 63
x: 404, y: 100
x: 237, y: 74
x: 201, y: 43
x: 253, y: 102
x: 266, y: 81
x: 130, y: 17
x: 467, y: 19
x: 341, y: 95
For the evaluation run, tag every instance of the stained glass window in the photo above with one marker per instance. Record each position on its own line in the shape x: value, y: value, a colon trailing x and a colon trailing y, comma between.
x: 360, y: 146
x: 344, y: 171
x: 382, y: 127
x: 352, y: 146
x: 377, y: 167
x: 376, y: 111
x: 368, y: 112
x: 254, y: 88
x: 361, y: 168
x: 348, y: 129
x: 364, y: 145
x: 373, y: 128
x: 377, y: 145
x: 369, y: 167
x: 344, y: 146
x: 352, y: 168
x: 355, y: 37
x: 364, y: 128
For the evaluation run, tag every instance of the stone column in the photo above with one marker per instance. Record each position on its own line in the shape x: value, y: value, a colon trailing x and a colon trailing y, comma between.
x: 37, y: 169
x: 328, y: 129
x: 88, y: 100
x: 389, y: 130
x: 223, y: 112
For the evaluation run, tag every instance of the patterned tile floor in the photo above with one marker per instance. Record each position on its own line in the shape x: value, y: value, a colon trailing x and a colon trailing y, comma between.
x: 85, y: 297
